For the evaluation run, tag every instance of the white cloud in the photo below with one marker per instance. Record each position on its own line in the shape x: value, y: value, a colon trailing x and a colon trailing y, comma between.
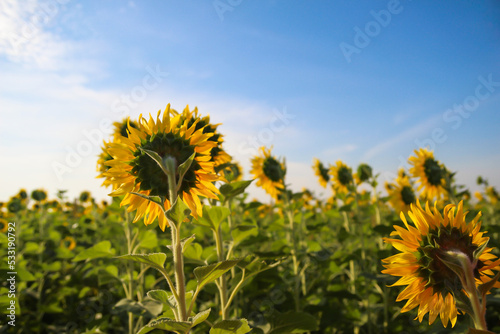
x: 409, y: 134
x: 337, y: 151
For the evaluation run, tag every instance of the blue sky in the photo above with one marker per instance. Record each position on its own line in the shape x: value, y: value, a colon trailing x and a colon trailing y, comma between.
x: 364, y: 81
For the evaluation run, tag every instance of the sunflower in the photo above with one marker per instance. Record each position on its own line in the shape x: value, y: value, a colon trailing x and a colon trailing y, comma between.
x: 341, y: 177
x: 231, y: 171
x: 4, y: 225
x: 430, y: 173
x: 68, y: 243
x: 120, y: 131
x: 401, y: 193
x: 217, y: 153
x: 363, y: 174
x: 321, y: 172
x: 39, y: 195
x: 431, y: 284
x: 133, y: 171
x: 492, y: 194
x: 269, y: 171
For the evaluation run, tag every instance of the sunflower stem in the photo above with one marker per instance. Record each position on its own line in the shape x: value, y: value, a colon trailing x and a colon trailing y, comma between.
x: 222, y: 280
x: 170, y: 167
x: 469, y: 285
x: 297, y: 278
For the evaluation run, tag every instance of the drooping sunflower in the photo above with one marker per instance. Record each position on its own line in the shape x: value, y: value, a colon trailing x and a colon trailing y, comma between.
x: 430, y: 284
x: 231, y: 171
x: 430, y: 174
x: 269, y: 171
x: 401, y: 193
x: 321, y: 172
x: 363, y: 174
x: 217, y: 153
x: 341, y: 177
x: 132, y: 170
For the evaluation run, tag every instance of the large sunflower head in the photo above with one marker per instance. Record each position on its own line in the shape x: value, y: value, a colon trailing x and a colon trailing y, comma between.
x: 269, y: 171
x: 321, y: 172
x: 430, y: 283
x: 132, y: 170
x: 401, y: 193
x: 341, y: 177
x: 430, y: 174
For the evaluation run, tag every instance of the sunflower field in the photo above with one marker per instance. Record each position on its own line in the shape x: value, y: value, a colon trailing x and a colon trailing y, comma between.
x: 180, y: 248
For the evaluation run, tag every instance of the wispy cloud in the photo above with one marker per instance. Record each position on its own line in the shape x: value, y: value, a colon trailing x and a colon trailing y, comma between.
x: 335, y: 152
x: 409, y: 134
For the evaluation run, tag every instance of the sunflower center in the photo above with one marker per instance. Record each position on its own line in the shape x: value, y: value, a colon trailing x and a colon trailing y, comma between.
x: 433, y: 171
x: 150, y: 175
x: 344, y: 175
x: 407, y: 195
x: 437, y: 273
x: 272, y: 169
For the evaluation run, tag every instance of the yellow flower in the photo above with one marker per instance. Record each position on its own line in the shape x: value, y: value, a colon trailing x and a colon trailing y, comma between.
x: 430, y: 284
x: 321, y: 172
x: 270, y: 172
x: 401, y: 193
x: 217, y: 154
x: 4, y: 225
x: 341, y: 177
x: 120, y: 131
x: 492, y: 195
x: 132, y: 170
x: 68, y: 243
x: 429, y: 173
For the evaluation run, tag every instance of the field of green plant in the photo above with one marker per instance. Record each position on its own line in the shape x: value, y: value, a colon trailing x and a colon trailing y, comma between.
x: 180, y: 248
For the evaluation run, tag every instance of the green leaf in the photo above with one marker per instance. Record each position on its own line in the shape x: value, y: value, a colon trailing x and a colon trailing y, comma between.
x: 292, y: 322
x: 200, y: 317
x: 213, y: 216
x: 184, y: 167
x: 31, y: 248
x: 180, y: 327
x: 156, y: 157
x: 162, y: 296
x: 24, y: 275
x: 149, y: 240
x: 178, y: 211
x: 210, y: 273
x: 156, y: 260
x: 254, y: 265
x: 194, y: 252
x: 241, y: 232
x: 238, y: 326
x: 102, y: 249
x: 234, y: 188
x: 146, y: 307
